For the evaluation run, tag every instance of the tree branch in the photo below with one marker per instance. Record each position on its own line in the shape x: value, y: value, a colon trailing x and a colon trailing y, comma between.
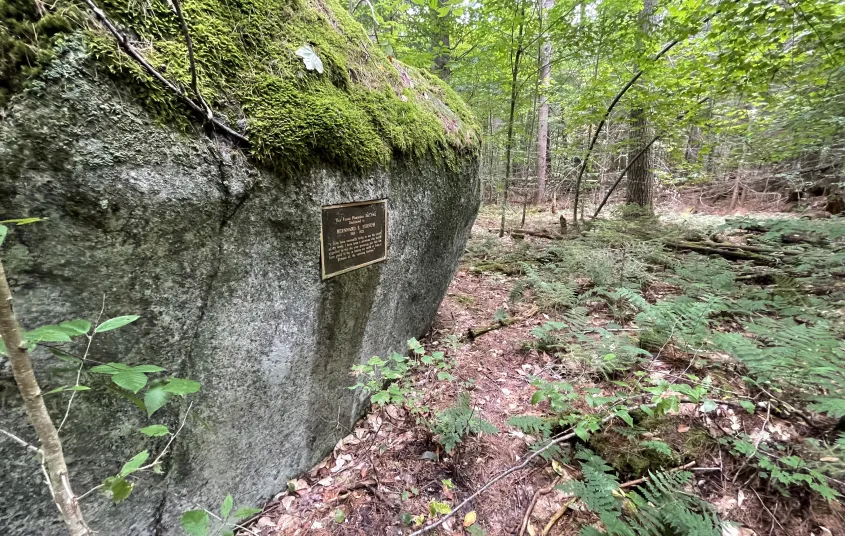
x: 127, y: 47
x: 610, y: 108
x: 36, y: 412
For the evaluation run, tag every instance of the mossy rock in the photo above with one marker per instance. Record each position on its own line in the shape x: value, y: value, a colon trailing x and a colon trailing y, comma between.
x: 363, y: 111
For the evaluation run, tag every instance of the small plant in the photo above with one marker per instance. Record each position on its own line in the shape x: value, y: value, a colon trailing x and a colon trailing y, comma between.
x: 783, y: 469
x: 659, y: 507
x: 457, y: 422
x: 389, y: 381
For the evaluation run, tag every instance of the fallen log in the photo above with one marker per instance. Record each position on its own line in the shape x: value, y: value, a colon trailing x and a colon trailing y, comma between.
x: 521, y: 233
x: 474, y: 333
x: 724, y: 251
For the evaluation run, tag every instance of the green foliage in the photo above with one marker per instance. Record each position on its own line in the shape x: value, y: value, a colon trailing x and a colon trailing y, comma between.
x: 389, y: 381
x: 457, y: 422
x: 781, y: 468
x: 659, y: 507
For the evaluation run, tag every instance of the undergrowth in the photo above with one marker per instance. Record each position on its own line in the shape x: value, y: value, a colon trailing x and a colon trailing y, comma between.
x: 649, y: 326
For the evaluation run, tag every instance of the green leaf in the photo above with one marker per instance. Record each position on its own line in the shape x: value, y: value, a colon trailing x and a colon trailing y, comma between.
x: 23, y: 221
x: 582, y: 433
x: 708, y: 406
x: 155, y: 430
x: 747, y: 406
x: 181, y: 386
x: 196, y: 522
x: 310, y: 58
x: 114, y: 323
x: 2, y: 347
x: 79, y: 388
x: 118, y: 488
x: 47, y: 334
x: 3, y: 232
x: 243, y: 513
x: 155, y: 399
x: 226, y: 507
x: 130, y: 380
x: 339, y: 516
x: 625, y: 416
x: 77, y: 327
x: 134, y: 464
x: 147, y: 368
x: 110, y: 368
x: 382, y: 397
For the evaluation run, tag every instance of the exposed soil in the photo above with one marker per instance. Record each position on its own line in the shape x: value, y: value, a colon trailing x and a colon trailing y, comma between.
x: 389, y: 466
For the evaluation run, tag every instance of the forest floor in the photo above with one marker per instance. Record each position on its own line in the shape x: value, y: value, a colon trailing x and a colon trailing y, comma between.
x: 578, y: 328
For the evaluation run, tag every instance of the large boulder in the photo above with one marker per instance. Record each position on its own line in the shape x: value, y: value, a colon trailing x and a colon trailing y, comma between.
x: 215, y: 245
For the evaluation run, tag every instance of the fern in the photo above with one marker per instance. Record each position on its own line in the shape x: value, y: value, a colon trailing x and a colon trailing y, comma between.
x: 455, y: 423
x: 532, y: 425
x: 659, y: 507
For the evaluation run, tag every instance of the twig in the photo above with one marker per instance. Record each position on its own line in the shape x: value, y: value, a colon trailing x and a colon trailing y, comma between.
x: 637, y: 482
x: 192, y: 64
x: 756, y: 443
x: 82, y: 364
x: 542, y: 491
x: 500, y: 476
x: 474, y: 333
x: 559, y: 514
x: 767, y: 509
x: 172, y: 437
x: 20, y: 441
x: 127, y: 47
x: 240, y: 526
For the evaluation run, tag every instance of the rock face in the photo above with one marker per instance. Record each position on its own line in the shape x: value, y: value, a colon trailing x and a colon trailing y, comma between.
x: 218, y: 250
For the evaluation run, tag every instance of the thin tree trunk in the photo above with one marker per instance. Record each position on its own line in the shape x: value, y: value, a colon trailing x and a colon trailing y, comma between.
x: 543, y: 114
x: 509, y: 143
x: 735, y: 196
x: 640, y: 177
x: 36, y: 412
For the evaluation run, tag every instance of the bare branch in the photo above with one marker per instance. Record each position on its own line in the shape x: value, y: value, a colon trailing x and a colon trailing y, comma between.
x: 20, y: 441
x: 55, y: 468
x: 127, y: 47
x: 192, y: 63
x: 82, y: 364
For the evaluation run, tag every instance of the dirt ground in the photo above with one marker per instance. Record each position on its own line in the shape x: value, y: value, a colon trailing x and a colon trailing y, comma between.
x: 388, y: 469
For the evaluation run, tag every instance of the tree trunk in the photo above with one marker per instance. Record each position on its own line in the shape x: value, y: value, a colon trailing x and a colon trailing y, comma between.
x: 543, y: 114
x: 509, y: 143
x: 441, y: 47
x: 36, y: 412
x: 640, y: 178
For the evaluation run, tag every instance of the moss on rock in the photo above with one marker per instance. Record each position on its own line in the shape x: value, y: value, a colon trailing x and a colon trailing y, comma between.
x: 361, y: 112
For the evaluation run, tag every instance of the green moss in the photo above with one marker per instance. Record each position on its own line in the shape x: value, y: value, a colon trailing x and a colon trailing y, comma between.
x: 26, y: 42
x: 361, y: 112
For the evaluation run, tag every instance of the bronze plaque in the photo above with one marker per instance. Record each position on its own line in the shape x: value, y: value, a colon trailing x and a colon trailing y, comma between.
x: 353, y: 235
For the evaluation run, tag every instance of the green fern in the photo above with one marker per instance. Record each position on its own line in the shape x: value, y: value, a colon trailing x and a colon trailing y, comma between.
x: 455, y: 423
x: 659, y: 507
x: 539, y: 427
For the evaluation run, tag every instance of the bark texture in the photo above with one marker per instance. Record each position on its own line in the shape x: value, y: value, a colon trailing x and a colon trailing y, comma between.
x: 36, y: 412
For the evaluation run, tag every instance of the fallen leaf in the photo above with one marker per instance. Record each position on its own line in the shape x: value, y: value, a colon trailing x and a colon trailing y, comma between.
x: 683, y: 428
x: 287, y: 502
x: 829, y: 459
x: 469, y: 519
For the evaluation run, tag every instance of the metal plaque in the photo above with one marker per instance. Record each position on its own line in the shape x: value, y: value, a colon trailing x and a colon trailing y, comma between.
x: 353, y: 235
